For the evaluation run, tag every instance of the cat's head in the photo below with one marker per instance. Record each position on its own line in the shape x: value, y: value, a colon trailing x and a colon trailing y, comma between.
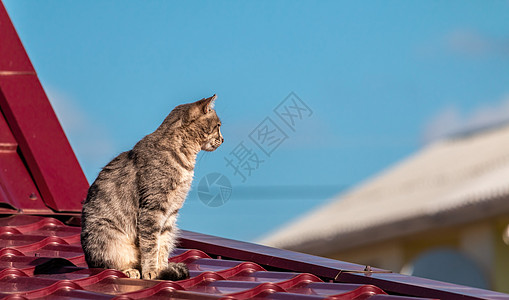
x: 200, y: 119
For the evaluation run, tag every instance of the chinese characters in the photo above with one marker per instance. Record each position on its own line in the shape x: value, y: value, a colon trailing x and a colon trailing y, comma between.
x: 243, y: 160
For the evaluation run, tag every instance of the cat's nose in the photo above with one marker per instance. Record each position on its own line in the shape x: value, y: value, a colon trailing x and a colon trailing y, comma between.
x: 222, y: 139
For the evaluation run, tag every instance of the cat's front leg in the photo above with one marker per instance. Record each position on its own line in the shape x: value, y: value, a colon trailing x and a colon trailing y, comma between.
x: 166, y: 246
x: 149, y: 231
x: 168, y: 240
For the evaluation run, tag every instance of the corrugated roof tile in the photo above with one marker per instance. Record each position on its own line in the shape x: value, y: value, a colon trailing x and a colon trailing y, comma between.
x: 42, y: 257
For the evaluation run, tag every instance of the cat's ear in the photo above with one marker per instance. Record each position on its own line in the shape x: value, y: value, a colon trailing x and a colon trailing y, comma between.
x: 199, y: 108
x: 208, y: 104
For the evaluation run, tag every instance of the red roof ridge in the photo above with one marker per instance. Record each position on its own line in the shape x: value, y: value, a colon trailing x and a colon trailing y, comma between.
x: 47, y: 176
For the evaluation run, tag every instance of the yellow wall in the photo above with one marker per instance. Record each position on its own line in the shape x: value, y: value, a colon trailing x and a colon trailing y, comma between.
x: 480, y: 241
x: 501, y: 265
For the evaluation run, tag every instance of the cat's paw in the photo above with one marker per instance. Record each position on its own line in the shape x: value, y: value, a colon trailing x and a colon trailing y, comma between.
x: 149, y: 275
x: 175, y: 272
x: 182, y: 270
x: 132, y: 273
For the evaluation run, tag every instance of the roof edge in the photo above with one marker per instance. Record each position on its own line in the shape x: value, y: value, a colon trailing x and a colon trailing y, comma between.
x: 330, y: 269
x: 380, y: 232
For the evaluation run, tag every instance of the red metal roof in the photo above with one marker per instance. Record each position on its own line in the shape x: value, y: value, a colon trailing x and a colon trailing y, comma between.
x: 30, y: 242
x: 41, y: 255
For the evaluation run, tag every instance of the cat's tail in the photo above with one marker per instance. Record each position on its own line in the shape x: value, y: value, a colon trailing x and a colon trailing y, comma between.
x: 174, y: 272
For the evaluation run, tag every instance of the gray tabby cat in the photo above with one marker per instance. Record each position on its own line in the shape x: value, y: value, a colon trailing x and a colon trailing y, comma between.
x: 128, y: 219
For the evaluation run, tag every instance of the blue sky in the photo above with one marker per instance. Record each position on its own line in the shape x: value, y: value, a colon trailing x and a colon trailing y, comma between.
x: 382, y: 78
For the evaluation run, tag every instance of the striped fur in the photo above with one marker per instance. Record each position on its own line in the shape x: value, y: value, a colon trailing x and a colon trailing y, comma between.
x: 129, y: 216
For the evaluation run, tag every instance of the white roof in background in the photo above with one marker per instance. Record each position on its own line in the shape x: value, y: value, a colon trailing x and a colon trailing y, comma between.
x: 450, y: 182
